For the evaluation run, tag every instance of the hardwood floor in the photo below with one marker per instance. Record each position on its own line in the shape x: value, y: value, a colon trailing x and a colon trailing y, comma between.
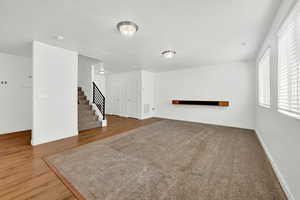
x: 25, y: 175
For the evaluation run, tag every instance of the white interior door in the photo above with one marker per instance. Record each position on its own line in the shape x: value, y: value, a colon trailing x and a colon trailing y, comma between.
x: 116, y: 97
x: 132, y: 97
x: 123, y: 97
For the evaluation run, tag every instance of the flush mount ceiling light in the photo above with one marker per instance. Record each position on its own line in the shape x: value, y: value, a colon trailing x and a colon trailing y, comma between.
x: 169, y: 54
x: 59, y: 37
x: 127, y: 28
x: 101, y: 71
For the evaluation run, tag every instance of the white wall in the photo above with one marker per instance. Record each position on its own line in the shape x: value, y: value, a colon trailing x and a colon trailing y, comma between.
x: 231, y: 82
x: 54, y: 93
x: 147, y: 94
x: 279, y: 133
x: 16, y: 95
x: 85, y: 75
x: 100, y: 81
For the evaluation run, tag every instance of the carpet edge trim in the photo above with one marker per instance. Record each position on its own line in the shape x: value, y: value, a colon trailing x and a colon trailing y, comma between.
x: 69, y: 185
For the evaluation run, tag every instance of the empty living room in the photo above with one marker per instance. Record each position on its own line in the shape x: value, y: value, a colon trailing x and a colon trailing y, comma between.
x: 150, y: 100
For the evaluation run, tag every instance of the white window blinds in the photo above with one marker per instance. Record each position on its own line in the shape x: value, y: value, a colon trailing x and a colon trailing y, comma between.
x: 264, y: 80
x: 289, y: 64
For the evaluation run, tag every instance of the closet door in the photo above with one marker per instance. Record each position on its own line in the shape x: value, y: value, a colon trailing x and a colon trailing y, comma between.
x: 116, y: 96
x: 123, y: 97
x: 108, y: 96
x: 132, y: 97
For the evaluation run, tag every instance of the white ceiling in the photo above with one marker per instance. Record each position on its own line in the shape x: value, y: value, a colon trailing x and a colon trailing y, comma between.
x: 201, y: 31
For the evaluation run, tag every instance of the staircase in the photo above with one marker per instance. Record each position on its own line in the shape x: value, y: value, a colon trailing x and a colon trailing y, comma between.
x: 87, y: 118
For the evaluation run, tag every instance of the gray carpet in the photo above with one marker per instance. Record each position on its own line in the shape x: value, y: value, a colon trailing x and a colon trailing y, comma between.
x: 171, y: 160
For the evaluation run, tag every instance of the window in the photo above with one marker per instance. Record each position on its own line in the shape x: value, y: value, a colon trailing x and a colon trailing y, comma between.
x: 264, y: 80
x: 289, y: 64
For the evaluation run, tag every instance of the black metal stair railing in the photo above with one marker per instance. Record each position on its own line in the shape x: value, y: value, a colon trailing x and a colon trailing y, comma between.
x: 99, y: 100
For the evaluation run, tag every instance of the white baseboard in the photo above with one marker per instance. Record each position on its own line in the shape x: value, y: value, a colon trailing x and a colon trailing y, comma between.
x: 279, y: 175
x: 15, y: 130
x: 38, y: 141
x: 205, y: 122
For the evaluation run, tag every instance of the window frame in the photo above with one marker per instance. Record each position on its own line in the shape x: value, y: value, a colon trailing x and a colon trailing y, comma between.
x: 266, y: 52
x: 283, y: 27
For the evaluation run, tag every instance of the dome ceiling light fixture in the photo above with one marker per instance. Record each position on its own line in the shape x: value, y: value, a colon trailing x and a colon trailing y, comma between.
x: 169, y: 54
x: 101, y: 71
x: 127, y: 28
x: 59, y: 37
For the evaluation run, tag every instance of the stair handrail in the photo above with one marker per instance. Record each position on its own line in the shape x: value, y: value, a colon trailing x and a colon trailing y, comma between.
x: 99, y: 99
